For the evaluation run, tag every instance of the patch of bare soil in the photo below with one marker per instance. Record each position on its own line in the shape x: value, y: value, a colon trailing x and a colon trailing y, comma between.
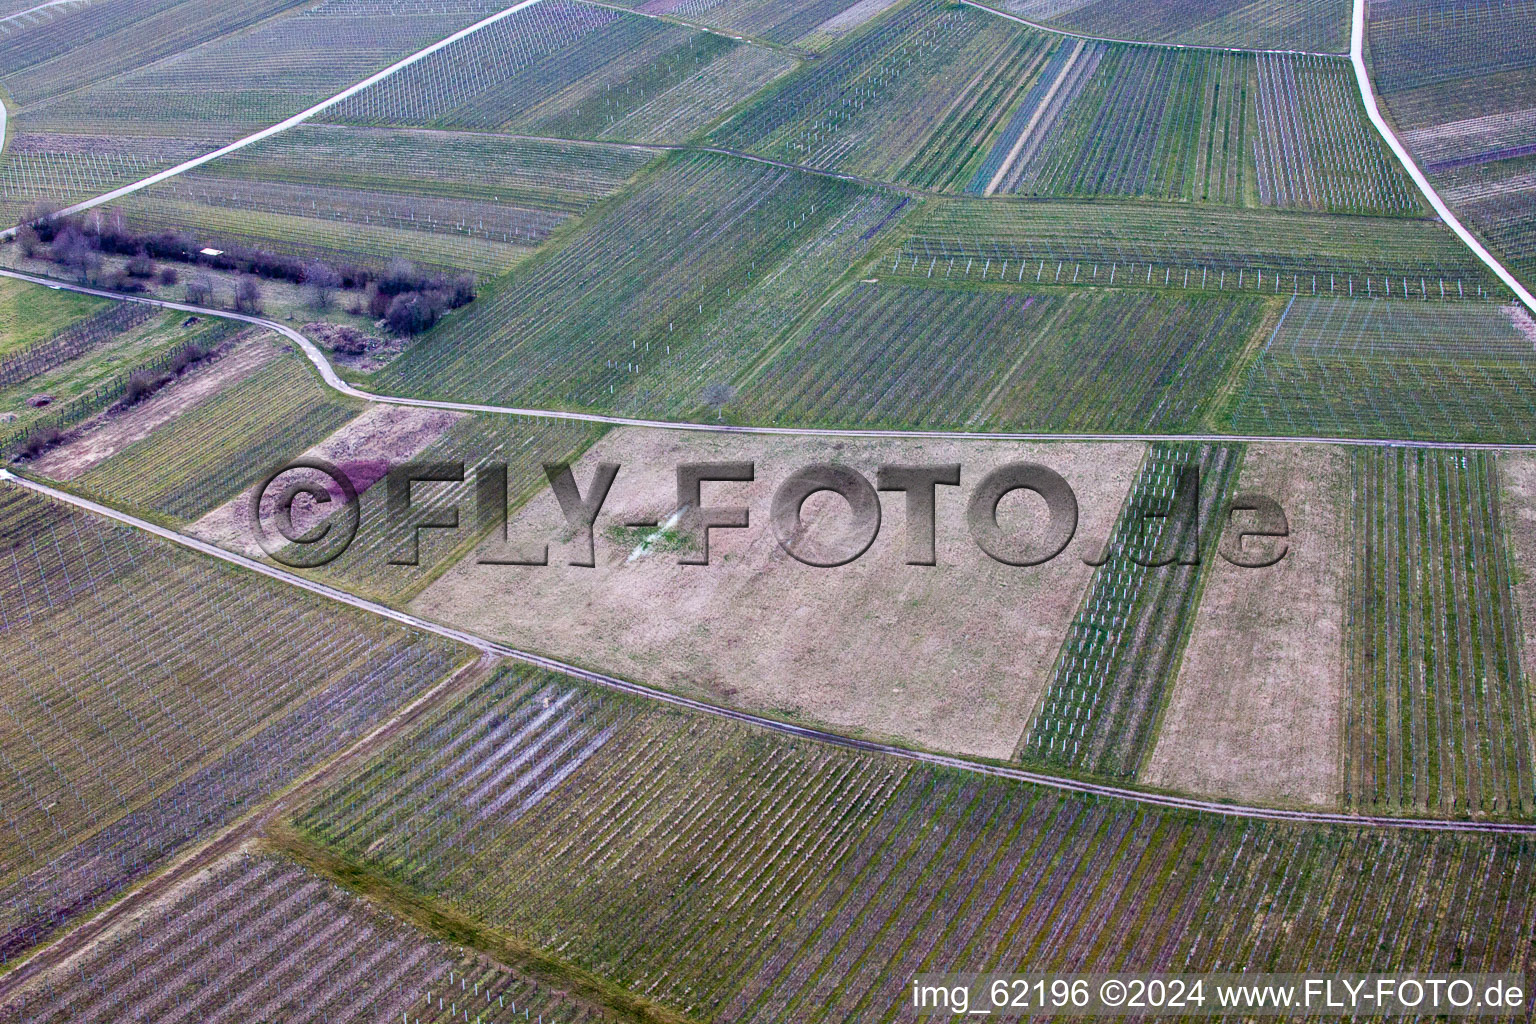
x: 1517, y: 497
x: 854, y: 16
x: 1254, y: 713
x: 351, y: 348
x: 108, y: 433
x: 364, y: 449
x: 1522, y: 321
x: 951, y: 657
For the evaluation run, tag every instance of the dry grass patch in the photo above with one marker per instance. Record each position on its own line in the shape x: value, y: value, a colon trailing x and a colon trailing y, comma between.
x: 364, y: 448
x: 951, y: 657
x: 1254, y: 714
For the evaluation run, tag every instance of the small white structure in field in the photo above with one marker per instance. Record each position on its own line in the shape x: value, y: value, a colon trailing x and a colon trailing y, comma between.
x: 211, y: 252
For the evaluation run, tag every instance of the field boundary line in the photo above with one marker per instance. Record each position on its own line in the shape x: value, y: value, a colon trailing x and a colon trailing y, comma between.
x: 1043, y: 27
x: 788, y: 49
x: 328, y: 373
x: 1002, y: 771
x: 284, y: 125
x: 39, y: 7
x: 1034, y: 120
x: 1373, y: 110
x: 58, y: 951
x: 440, y: 920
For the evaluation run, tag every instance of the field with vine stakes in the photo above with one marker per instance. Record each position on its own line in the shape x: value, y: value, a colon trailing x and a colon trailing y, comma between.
x: 523, y: 443
x: 776, y: 21
x: 214, y: 451
x: 1197, y: 125
x: 1459, y: 79
x: 1121, y: 656
x: 342, y: 226
x: 735, y: 874
x: 1318, y: 26
x: 1438, y: 715
x: 80, y: 45
x: 900, y: 355
x: 549, y: 175
x: 452, y: 200
x: 572, y: 70
x: 20, y: 364
x: 223, y: 89
x: 1435, y: 61
x: 156, y: 695
x: 1179, y: 246
x: 59, y: 168
x: 914, y: 96
x: 255, y: 939
x: 87, y: 367
x: 1454, y: 371
x: 654, y: 297
x: 229, y: 70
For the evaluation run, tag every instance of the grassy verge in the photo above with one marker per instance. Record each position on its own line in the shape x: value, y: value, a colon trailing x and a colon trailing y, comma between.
x: 451, y: 926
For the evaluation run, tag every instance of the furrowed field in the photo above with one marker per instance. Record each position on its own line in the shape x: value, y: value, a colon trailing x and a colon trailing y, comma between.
x: 1362, y: 368
x: 1320, y: 26
x: 912, y: 97
x: 1273, y: 130
x: 228, y: 70
x: 657, y: 297
x: 1121, y: 656
x: 737, y: 875
x: 155, y: 696
x: 224, y: 445
x: 449, y: 200
x: 906, y: 356
x: 259, y: 937
x: 1176, y: 246
x: 1438, y: 718
x: 777, y: 21
x: 573, y: 70
x: 524, y: 444
x: 1459, y: 78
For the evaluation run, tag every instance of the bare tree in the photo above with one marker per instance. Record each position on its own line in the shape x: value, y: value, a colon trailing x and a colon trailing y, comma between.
x: 199, y: 289
x: 322, y: 282
x: 28, y: 240
x: 248, y: 295
x: 77, y: 252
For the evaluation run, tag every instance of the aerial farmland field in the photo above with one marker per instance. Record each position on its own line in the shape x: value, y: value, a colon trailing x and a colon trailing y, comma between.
x: 722, y: 511
x: 1457, y: 81
x: 1314, y: 25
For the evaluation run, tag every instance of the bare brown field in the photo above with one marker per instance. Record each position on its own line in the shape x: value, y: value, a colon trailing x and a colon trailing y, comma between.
x: 364, y: 449
x: 1255, y: 711
x: 109, y: 433
x: 951, y: 657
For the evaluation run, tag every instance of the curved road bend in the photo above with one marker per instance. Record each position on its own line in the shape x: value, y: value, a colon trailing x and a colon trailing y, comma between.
x: 804, y: 732
x: 1368, y: 94
x: 328, y: 373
